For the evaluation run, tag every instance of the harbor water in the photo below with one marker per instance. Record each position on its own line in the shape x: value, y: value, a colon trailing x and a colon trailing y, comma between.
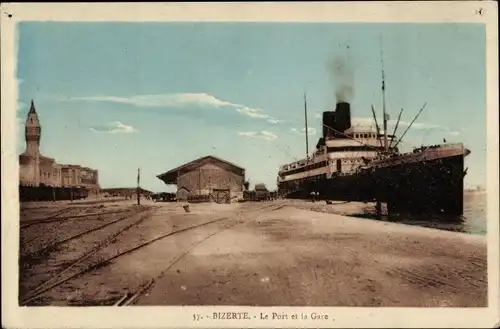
x: 473, y: 220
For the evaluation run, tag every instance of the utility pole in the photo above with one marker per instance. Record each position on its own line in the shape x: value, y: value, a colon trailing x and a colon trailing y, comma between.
x: 138, y: 188
x: 199, y: 181
x: 177, y: 182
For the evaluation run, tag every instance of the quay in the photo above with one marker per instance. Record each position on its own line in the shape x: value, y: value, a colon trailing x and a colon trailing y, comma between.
x: 252, y: 253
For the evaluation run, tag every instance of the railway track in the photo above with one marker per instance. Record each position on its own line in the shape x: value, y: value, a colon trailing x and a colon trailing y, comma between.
x: 150, y: 283
x: 56, y: 218
x: 96, y: 259
x: 27, y: 223
x: 102, y: 243
x: 52, y: 215
x: 53, y: 244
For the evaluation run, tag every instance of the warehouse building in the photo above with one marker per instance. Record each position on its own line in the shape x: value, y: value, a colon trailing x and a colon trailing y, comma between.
x: 207, y: 179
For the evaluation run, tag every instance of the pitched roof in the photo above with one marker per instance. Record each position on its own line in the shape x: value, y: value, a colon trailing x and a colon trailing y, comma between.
x: 194, y: 162
x: 32, y: 107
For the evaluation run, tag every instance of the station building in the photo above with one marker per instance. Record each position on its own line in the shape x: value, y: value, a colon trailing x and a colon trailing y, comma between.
x: 208, y: 179
x: 36, y: 170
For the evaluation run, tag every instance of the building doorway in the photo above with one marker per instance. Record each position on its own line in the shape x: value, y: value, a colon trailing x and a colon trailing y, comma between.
x: 221, y: 195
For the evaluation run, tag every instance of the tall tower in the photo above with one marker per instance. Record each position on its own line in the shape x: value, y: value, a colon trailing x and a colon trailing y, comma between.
x: 32, y: 132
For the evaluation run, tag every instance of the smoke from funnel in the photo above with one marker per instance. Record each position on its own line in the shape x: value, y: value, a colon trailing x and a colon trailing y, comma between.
x: 341, y: 72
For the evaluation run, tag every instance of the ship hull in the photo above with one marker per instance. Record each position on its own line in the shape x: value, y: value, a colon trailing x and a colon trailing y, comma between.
x: 423, y: 187
x: 355, y: 187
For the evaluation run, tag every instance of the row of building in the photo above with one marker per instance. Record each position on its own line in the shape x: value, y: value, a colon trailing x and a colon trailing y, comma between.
x: 205, y: 179
x: 36, y: 170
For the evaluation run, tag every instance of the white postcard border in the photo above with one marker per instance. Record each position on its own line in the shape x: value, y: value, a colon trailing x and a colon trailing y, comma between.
x: 179, y: 317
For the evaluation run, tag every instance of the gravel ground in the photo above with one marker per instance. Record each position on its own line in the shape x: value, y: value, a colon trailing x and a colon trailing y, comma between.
x: 336, y: 207
x: 276, y: 255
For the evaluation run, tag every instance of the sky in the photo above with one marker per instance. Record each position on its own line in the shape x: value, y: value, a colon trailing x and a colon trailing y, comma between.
x: 122, y: 96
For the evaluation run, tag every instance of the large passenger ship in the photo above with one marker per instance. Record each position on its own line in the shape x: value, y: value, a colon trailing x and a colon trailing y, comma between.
x: 365, y: 164
x: 334, y: 169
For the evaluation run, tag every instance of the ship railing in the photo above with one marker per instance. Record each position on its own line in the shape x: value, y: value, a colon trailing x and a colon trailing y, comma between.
x: 445, y: 145
x: 423, y: 155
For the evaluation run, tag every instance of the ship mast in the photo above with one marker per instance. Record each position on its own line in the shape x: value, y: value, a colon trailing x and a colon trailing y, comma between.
x: 386, y: 146
x: 306, y: 131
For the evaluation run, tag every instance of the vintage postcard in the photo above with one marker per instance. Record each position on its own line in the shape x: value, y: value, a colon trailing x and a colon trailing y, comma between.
x: 263, y: 165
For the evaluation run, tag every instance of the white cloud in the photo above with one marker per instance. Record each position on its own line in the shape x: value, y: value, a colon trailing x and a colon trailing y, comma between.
x: 165, y: 100
x: 114, y: 128
x: 19, y: 83
x: 180, y: 100
x: 453, y: 133
x: 21, y: 106
x: 19, y: 124
x: 363, y: 121
x: 422, y: 125
x: 267, y: 135
x: 247, y: 133
x: 310, y: 131
x: 257, y: 113
x: 254, y: 113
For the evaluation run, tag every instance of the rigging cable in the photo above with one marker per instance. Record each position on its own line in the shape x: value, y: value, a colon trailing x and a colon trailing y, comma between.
x: 395, y: 128
x: 415, y: 118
